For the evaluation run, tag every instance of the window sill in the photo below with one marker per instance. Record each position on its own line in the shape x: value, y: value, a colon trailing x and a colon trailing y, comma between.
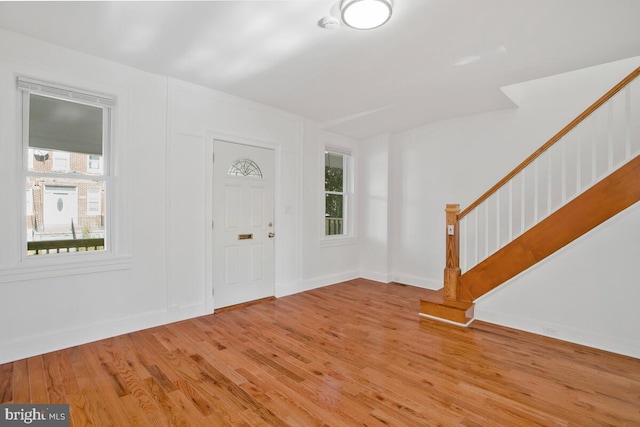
x: 327, y: 242
x: 66, y: 265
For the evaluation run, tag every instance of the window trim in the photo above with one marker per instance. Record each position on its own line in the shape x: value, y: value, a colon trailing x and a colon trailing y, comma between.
x: 27, y: 86
x: 349, y: 206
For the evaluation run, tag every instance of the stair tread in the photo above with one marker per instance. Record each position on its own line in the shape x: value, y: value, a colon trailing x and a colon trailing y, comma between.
x: 435, y: 305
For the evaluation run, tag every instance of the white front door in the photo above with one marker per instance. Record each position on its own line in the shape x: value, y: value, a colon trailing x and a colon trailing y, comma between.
x: 243, y: 239
x: 60, y: 208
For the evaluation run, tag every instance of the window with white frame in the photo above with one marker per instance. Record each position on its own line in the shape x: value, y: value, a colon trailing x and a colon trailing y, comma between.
x: 66, y: 137
x: 94, y: 164
x: 336, y: 193
x: 61, y: 161
x: 94, y: 201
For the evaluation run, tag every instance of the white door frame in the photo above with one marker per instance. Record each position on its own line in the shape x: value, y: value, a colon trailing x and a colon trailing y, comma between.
x: 210, y: 137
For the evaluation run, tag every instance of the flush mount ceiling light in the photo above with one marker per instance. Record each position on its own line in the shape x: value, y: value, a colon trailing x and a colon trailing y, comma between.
x: 365, y: 14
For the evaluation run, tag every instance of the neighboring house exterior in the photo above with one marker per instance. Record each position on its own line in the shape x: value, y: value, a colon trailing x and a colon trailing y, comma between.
x: 63, y: 208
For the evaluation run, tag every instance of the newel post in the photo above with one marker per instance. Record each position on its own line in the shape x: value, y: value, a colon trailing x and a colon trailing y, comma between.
x: 452, y: 269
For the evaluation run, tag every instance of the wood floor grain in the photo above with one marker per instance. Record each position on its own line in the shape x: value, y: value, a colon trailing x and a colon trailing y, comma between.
x: 352, y: 354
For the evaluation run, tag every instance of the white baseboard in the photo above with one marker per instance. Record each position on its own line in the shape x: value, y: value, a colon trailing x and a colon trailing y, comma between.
x: 177, y: 313
x: 332, y: 279
x: 317, y: 282
x: 420, y: 282
x: 584, y: 337
x: 37, y: 344
x: 375, y: 276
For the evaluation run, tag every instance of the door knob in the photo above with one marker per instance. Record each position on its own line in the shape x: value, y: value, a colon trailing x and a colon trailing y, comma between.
x: 271, y: 235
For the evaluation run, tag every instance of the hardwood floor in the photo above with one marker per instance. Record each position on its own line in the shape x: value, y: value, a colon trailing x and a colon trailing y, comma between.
x: 355, y: 353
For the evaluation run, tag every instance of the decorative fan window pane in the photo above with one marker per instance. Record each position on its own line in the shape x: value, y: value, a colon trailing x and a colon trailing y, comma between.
x: 245, y: 167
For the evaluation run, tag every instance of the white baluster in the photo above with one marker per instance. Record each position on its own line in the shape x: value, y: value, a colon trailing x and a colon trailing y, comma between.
x: 594, y: 154
x: 498, y: 242
x: 549, y: 177
x: 579, y: 168
x: 627, y: 123
x: 536, y: 195
x: 477, y: 243
x: 463, y: 244
x: 610, y: 125
x: 563, y: 169
x: 522, y: 201
x: 486, y: 228
x: 510, y: 211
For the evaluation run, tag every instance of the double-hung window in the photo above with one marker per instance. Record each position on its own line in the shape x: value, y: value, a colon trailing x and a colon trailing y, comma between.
x: 66, y: 140
x: 336, y: 194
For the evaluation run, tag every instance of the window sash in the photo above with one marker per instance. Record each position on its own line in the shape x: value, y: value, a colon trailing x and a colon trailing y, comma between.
x: 29, y: 85
x: 336, y: 225
x: 104, y: 206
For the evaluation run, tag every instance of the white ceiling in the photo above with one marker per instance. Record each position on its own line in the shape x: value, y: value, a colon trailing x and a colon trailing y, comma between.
x: 435, y: 59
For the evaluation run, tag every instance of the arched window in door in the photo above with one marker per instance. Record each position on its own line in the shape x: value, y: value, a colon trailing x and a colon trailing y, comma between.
x: 245, y: 167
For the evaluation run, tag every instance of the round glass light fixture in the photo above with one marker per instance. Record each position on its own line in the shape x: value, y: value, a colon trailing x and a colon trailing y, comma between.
x: 365, y: 14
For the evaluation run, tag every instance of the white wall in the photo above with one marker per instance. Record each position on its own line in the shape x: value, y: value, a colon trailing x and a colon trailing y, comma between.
x: 322, y: 263
x: 196, y: 116
x: 160, y: 272
x: 163, y: 131
x: 45, y: 307
x: 585, y: 293
x: 163, y: 134
x: 373, y: 208
x: 455, y: 161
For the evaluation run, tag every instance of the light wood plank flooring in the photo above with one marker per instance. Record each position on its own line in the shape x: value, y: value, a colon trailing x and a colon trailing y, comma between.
x: 352, y: 354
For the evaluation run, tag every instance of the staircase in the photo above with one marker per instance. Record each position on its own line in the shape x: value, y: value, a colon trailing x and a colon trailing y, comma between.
x: 587, y: 173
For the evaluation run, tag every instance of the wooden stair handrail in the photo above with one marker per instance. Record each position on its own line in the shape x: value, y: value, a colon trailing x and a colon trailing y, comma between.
x: 586, y: 113
x: 610, y: 196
